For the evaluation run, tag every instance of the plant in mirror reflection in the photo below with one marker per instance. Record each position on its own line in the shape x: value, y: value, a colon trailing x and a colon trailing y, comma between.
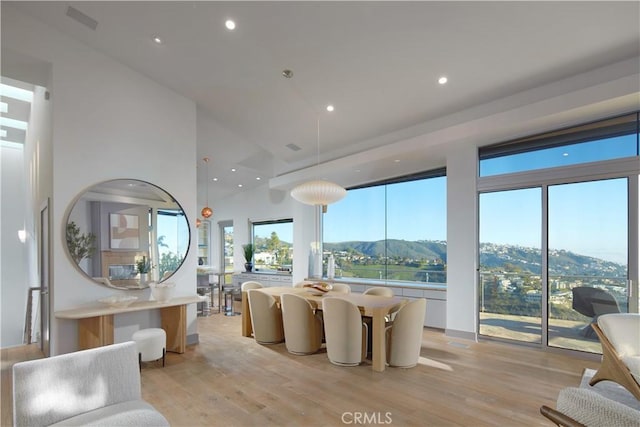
x: 81, y: 245
x: 144, y: 265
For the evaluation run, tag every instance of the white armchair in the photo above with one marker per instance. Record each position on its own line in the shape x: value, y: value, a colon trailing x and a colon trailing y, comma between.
x: 98, y: 387
x: 620, y: 338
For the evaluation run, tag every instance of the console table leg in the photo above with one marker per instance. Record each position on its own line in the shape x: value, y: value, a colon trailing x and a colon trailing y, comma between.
x: 174, y: 322
x: 95, y: 331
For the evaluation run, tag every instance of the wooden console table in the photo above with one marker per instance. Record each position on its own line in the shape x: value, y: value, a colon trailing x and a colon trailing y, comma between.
x: 95, y: 322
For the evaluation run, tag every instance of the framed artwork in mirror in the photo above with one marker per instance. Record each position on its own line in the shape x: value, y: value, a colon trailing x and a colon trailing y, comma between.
x: 124, y: 231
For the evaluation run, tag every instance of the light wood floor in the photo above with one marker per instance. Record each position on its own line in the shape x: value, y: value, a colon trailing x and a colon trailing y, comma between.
x: 232, y: 381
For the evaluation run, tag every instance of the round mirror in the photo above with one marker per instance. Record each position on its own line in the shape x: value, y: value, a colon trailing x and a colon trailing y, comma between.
x: 126, y: 233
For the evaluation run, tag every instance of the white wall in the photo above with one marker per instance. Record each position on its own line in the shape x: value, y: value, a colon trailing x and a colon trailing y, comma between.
x: 108, y: 122
x: 262, y: 204
x: 462, y: 241
x: 14, y: 282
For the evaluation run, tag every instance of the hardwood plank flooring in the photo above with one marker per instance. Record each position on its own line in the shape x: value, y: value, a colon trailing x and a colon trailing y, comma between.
x: 233, y: 381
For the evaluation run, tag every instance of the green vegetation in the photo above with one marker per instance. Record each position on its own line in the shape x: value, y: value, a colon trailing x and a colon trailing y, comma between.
x: 80, y: 245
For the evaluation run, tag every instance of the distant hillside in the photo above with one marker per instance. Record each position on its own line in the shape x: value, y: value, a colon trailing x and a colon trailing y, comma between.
x: 421, y: 249
x: 492, y: 256
x: 561, y: 262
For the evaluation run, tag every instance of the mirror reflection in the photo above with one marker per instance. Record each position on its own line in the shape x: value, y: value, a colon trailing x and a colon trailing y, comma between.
x: 126, y: 233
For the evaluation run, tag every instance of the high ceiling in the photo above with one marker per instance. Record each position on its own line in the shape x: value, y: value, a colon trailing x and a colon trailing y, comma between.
x: 378, y: 63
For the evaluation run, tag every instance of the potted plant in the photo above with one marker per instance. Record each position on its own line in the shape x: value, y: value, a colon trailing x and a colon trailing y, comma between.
x: 248, y: 249
x: 144, y: 266
x: 80, y: 245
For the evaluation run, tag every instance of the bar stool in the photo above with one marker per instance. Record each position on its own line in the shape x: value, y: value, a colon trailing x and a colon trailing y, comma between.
x: 229, y: 297
x: 151, y: 344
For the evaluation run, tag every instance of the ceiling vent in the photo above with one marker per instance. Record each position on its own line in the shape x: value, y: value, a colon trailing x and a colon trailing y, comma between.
x: 85, y: 20
x: 293, y: 147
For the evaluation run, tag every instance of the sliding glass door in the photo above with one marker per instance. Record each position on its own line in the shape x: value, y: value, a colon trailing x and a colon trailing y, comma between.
x: 510, y: 265
x: 588, y: 240
x: 552, y: 259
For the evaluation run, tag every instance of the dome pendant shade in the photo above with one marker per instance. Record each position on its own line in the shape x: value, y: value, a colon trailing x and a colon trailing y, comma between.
x: 318, y: 192
x: 206, y: 212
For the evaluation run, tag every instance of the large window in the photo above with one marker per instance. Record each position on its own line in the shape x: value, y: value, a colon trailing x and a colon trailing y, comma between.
x: 558, y: 245
x: 391, y: 231
x: 273, y: 242
x: 615, y: 138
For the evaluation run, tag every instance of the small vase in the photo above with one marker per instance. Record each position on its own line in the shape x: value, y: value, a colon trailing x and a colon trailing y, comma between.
x: 143, y: 278
x: 248, y: 267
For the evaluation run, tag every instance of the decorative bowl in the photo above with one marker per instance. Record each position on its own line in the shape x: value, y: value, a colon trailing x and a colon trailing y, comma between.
x: 162, y: 292
x: 118, y: 301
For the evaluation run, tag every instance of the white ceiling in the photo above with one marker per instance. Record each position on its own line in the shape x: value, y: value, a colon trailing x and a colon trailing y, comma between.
x: 377, y: 62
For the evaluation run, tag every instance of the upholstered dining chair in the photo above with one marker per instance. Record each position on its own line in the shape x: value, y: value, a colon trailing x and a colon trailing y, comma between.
x: 379, y: 290
x: 251, y: 285
x: 404, y: 334
x: 266, y: 317
x: 620, y: 338
x: 345, y: 332
x: 342, y: 288
x: 302, y: 326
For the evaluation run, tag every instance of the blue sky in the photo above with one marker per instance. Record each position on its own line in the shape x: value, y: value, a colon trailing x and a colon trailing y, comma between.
x: 586, y: 218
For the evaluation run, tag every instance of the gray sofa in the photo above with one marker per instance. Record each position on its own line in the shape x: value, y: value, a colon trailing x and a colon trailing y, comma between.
x: 98, y: 387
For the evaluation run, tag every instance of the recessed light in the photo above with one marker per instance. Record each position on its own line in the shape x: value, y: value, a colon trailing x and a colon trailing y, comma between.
x: 442, y: 80
x: 397, y: 160
x: 233, y: 169
x: 330, y: 108
x: 240, y: 185
x: 231, y: 25
x: 157, y: 40
x: 565, y: 154
x: 258, y: 178
x: 214, y: 179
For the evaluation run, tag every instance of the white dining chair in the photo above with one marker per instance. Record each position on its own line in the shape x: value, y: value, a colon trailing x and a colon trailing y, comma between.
x: 251, y: 285
x: 345, y: 332
x: 342, y: 288
x: 302, y: 326
x: 404, y: 334
x: 379, y: 290
x: 266, y: 317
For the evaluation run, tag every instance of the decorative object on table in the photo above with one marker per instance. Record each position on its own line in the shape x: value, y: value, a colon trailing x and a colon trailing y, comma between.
x: 207, y: 211
x: 144, y: 267
x: 320, y: 286
x: 162, y: 292
x: 315, y: 261
x: 118, y: 301
x: 124, y: 231
x: 80, y: 245
x: 331, y: 267
x: 248, y: 249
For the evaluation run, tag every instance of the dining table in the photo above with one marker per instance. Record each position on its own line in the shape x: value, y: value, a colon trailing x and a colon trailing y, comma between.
x: 375, y: 306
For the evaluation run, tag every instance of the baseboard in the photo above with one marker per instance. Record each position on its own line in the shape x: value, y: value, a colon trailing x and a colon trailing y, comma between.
x: 193, y: 339
x: 472, y: 336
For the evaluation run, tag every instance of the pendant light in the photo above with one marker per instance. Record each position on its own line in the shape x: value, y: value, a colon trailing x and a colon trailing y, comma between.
x: 207, y: 211
x: 318, y: 192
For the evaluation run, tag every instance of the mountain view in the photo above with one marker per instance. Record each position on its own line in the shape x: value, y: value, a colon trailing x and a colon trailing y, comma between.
x: 492, y: 256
